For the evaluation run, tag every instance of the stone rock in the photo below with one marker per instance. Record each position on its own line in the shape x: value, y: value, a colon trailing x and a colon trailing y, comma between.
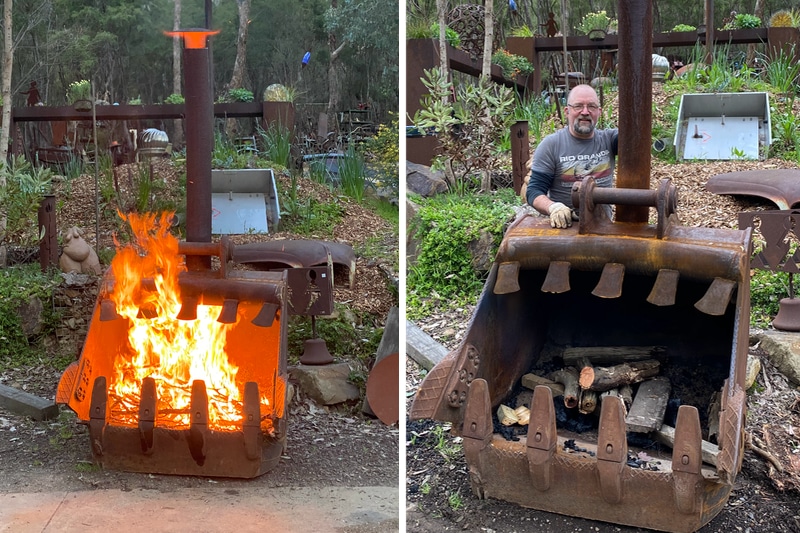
x: 421, y: 180
x: 412, y: 243
x: 783, y: 349
x: 77, y: 255
x: 481, y: 252
x: 325, y: 384
x: 30, y: 316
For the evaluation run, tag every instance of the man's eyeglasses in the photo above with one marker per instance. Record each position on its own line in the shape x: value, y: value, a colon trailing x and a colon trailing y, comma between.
x: 579, y: 107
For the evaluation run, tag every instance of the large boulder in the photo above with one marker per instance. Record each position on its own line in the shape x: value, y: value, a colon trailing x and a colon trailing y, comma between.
x: 421, y: 180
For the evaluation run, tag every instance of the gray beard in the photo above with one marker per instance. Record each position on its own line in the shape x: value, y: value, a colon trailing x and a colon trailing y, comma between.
x: 583, y: 130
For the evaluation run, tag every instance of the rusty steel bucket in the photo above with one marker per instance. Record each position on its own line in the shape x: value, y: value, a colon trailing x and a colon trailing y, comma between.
x: 603, y: 283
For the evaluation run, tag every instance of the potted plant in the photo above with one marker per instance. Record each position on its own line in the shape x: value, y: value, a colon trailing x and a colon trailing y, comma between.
x: 79, y: 94
x: 597, y: 24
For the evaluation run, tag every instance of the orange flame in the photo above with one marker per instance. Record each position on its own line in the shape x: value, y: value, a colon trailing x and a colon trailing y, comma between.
x: 173, y: 352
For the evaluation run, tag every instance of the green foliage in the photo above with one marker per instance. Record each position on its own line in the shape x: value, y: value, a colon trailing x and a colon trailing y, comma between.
x: 742, y: 21
x: 135, y: 101
x: 785, y: 18
x: 175, y: 98
x: 279, y: 93
x: 226, y: 155
x: 468, y: 127
x: 522, y: 31
x: 538, y: 113
x: 20, y: 198
x: 450, y: 35
x: 786, y: 135
x: 444, y: 228
x: 352, y: 174
x: 782, y: 72
x: 239, y: 94
x: 79, y: 90
x: 511, y: 64
x: 18, y: 285
x: 345, y: 334
x: 598, y: 20
x: 382, y: 153
x: 307, y: 217
x: 683, y: 28
x: 766, y: 290
x: 454, y: 501
x: 277, y: 141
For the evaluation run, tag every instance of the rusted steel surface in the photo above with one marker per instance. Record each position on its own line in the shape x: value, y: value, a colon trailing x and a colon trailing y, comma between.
x: 781, y: 186
x: 199, y: 145
x: 687, y: 289
x: 48, y: 245
x: 635, y: 102
x: 520, y: 153
x: 300, y: 253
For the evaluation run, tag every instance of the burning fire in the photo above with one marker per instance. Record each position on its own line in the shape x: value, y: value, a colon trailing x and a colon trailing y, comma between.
x: 173, y: 352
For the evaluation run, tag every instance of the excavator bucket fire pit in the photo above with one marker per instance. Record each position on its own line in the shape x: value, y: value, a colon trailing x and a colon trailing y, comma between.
x: 184, y: 367
x: 651, y: 320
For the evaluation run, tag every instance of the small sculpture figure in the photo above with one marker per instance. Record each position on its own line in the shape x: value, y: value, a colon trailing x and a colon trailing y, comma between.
x: 77, y: 255
x: 551, y: 28
x: 33, y: 95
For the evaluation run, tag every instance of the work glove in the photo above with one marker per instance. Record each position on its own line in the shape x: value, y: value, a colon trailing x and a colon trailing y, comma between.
x: 560, y: 215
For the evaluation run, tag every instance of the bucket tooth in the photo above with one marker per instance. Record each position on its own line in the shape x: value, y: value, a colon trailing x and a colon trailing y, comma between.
x: 266, y: 316
x: 228, y: 313
x: 251, y: 427
x: 199, y: 422
x: 557, y: 279
x: 610, y: 284
x: 108, y: 310
x: 147, y: 311
x: 97, y: 414
x: 542, y: 437
x: 612, y: 449
x: 716, y: 299
x: 507, y: 278
x: 478, y: 430
x: 188, y: 308
x: 148, y: 285
x: 147, y: 414
x: 686, y: 460
x: 665, y: 288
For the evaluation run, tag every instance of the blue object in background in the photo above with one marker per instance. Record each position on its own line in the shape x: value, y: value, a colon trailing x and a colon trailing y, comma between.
x: 307, y: 55
x: 513, y: 5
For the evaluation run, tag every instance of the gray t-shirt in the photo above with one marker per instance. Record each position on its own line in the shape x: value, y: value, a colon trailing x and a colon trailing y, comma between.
x: 562, y: 159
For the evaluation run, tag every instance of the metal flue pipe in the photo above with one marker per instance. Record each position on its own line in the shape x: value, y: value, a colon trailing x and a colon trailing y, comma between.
x: 199, y: 139
x: 635, y: 102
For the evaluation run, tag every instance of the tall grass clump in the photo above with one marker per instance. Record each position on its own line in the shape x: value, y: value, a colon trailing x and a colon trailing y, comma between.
x: 277, y: 141
x: 352, y: 174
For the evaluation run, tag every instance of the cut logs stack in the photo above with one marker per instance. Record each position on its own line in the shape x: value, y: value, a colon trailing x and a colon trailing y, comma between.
x: 592, y: 374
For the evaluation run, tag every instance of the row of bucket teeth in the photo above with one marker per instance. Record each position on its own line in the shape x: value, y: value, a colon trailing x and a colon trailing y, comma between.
x: 714, y: 302
x: 612, y: 447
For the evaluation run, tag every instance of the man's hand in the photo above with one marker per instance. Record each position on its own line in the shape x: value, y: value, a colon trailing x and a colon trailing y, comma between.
x: 560, y: 215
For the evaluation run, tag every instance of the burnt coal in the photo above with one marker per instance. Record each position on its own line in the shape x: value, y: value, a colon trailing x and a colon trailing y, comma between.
x: 572, y: 419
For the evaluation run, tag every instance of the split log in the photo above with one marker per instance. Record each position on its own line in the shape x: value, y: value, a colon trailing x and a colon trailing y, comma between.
x: 609, y: 355
x: 666, y: 435
x: 626, y: 393
x: 649, y: 406
x: 523, y: 415
x: 569, y: 378
x: 588, y: 402
x: 604, y: 378
x: 713, y: 416
x: 530, y: 381
x: 506, y: 415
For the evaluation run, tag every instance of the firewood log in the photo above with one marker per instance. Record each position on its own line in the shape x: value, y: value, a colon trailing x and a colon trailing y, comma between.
x: 569, y: 378
x: 588, y: 402
x: 506, y: 415
x: 523, y: 415
x: 609, y: 355
x: 604, y: 378
x: 530, y: 381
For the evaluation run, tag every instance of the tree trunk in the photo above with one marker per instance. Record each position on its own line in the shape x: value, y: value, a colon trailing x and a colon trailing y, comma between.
x: 177, y: 54
x: 441, y: 12
x: 333, y: 76
x: 758, y: 11
x: 237, y: 76
x: 8, y: 62
x: 486, y: 74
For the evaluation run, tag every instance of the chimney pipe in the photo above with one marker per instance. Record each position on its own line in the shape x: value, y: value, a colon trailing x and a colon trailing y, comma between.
x: 635, y: 102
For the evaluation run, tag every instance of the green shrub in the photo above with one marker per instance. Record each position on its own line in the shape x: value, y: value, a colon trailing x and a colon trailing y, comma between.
x: 598, y: 20
x: 352, y: 174
x: 382, y: 152
x: 175, y: 98
x: 18, y: 285
x: 511, y: 64
x: 239, y: 94
x: 684, y: 27
x: 444, y: 228
x: 20, y: 198
x: 742, y: 21
x: 450, y: 35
